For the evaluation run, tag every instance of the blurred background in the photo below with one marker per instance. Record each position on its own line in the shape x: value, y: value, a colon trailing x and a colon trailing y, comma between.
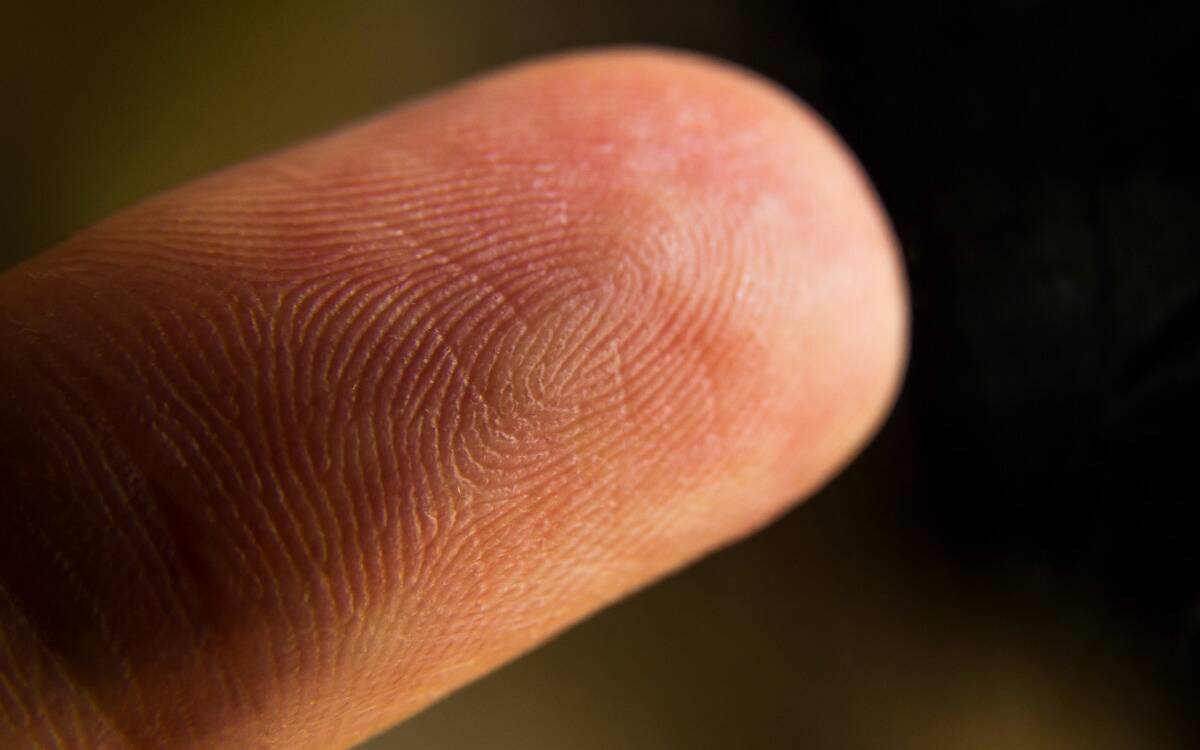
x: 1014, y: 562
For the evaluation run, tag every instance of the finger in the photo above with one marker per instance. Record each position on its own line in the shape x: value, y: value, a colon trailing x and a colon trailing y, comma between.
x: 296, y: 449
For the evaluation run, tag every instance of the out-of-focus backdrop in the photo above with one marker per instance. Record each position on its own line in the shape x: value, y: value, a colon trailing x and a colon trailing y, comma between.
x: 1013, y: 564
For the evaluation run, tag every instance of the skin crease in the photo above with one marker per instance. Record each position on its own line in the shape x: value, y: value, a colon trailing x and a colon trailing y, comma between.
x: 294, y: 450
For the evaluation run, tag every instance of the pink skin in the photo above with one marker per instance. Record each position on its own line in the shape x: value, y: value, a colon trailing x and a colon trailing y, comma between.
x: 298, y: 448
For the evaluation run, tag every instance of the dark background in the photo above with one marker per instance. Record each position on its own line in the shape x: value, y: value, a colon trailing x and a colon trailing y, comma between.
x: 1014, y: 563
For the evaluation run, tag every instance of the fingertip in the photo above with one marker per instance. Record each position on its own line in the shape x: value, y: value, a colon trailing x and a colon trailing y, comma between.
x: 464, y: 372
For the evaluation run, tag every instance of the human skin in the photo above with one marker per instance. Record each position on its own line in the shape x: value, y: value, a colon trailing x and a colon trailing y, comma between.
x: 294, y: 450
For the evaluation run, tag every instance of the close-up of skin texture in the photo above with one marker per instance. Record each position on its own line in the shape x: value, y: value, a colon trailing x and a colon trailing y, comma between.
x: 622, y: 375
x: 316, y: 439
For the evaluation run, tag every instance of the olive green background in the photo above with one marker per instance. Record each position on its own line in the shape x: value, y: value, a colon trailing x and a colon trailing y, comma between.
x: 841, y: 627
